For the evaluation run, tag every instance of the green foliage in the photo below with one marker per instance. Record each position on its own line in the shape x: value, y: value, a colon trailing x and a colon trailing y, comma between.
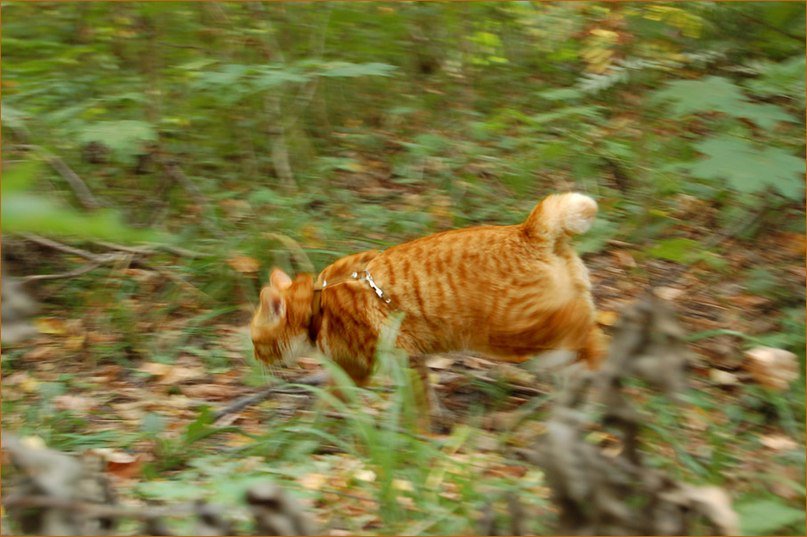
x: 25, y: 211
x: 126, y: 138
x: 750, y: 169
x: 783, y: 79
x: 680, y: 250
x: 712, y: 93
x: 395, y: 120
x: 769, y: 517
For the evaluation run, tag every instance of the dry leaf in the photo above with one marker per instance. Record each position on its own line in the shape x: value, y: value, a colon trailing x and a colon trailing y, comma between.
x: 51, y: 326
x: 179, y: 374
x: 211, y: 392
x: 119, y: 463
x: 778, y: 442
x: 439, y: 362
x: 73, y: 402
x: 313, y: 481
x: 403, y: 484
x: 155, y: 368
x: 607, y: 318
x: 723, y: 378
x: 366, y: 475
x: 772, y: 367
x: 668, y: 293
x: 624, y: 258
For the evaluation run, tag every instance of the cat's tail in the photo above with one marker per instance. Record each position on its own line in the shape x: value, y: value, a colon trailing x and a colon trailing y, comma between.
x: 560, y: 215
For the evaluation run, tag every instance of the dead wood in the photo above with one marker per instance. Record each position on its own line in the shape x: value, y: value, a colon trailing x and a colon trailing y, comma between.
x: 607, y: 492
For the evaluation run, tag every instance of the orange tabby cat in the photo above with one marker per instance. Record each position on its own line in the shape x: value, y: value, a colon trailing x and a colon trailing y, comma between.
x: 506, y: 291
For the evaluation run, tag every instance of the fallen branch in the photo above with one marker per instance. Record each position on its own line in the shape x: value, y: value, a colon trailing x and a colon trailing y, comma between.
x: 175, y: 173
x: 97, y: 260
x: 62, y: 275
x: 612, y: 492
x: 315, y: 379
x: 53, y: 493
x: 95, y: 510
x: 79, y: 187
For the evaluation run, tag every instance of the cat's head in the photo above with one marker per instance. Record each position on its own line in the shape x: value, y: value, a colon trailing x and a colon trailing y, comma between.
x: 279, y: 327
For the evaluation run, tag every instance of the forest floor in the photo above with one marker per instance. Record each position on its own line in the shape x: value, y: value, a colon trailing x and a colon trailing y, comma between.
x: 138, y: 412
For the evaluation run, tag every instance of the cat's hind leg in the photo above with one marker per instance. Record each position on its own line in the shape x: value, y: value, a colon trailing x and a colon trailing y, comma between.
x: 434, y: 415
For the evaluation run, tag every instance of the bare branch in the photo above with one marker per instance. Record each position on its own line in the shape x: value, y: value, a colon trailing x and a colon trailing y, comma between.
x: 62, y: 275
x: 79, y: 187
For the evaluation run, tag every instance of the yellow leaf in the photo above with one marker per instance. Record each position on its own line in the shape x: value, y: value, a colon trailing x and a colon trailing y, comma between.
x: 51, y: 325
x: 607, y: 318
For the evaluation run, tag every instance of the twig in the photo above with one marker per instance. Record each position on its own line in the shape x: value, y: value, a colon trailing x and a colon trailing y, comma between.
x: 176, y: 174
x: 79, y: 187
x: 61, y: 247
x: 97, y: 510
x: 102, y: 259
x: 148, y: 250
x: 62, y: 275
x: 315, y: 379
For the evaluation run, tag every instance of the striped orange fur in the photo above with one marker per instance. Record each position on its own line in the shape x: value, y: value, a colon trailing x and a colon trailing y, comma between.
x: 507, y: 291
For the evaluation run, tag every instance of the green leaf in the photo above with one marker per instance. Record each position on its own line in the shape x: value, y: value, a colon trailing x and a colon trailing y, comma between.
x: 597, y: 237
x: 712, y: 93
x: 560, y: 94
x: 272, y: 77
x: 34, y: 213
x: 766, y: 517
x: 349, y: 70
x: 125, y: 138
x: 592, y: 112
x: 748, y: 168
x: 13, y: 118
x: 680, y: 250
x: 169, y: 491
x: 20, y: 177
x: 783, y: 79
x: 763, y: 114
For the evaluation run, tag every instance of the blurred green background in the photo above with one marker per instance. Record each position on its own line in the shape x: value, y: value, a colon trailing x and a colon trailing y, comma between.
x: 221, y: 139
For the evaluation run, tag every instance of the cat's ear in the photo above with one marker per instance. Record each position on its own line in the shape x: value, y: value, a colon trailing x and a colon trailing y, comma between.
x: 272, y: 304
x: 279, y: 279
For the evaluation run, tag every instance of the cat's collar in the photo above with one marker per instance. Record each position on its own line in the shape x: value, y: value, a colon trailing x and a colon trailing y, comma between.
x: 316, y: 302
x: 363, y: 276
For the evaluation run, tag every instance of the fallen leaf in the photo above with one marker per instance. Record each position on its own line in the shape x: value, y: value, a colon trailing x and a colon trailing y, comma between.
x: 366, y: 475
x: 51, y: 326
x: 723, y: 378
x: 607, y: 318
x: 668, y: 293
x: 75, y: 403
x: 439, y: 362
x: 33, y: 442
x: 624, y: 258
x: 179, y: 374
x: 313, y: 481
x: 155, y: 368
x: 772, y: 367
x: 29, y: 385
x: 403, y: 485
x: 41, y: 353
x: 119, y: 463
x: 778, y: 442
x: 212, y: 392
x: 75, y: 342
